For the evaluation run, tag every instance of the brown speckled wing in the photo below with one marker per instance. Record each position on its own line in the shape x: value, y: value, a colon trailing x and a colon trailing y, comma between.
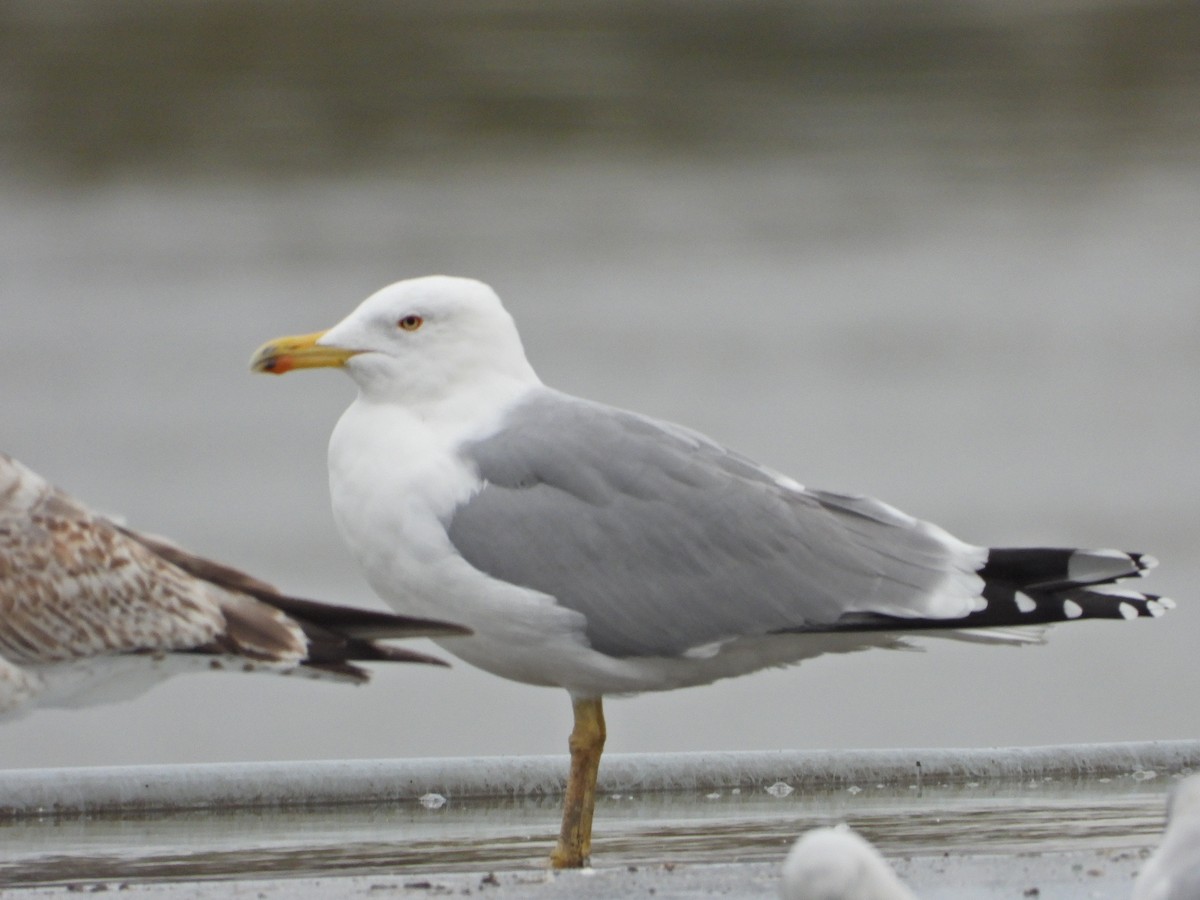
x: 73, y: 585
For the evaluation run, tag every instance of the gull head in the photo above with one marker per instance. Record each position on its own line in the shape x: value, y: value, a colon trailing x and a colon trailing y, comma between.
x: 413, y: 341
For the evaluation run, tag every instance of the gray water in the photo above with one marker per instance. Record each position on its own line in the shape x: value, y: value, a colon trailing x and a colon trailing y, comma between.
x: 947, y: 258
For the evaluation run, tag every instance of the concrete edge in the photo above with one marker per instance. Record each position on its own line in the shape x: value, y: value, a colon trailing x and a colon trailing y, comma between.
x: 104, y: 790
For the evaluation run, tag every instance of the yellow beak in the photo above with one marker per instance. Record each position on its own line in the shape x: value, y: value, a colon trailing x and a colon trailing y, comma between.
x: 298, y: 352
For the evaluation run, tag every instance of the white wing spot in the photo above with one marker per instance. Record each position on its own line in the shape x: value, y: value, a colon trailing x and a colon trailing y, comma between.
x: 1025, y: 603
x: 1127, y: 611
x: 1071, y: 609
x: 790, y: 484
x: 706, y: 651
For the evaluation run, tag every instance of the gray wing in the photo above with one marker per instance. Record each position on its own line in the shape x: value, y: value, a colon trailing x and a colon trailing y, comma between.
x: 667, y: 542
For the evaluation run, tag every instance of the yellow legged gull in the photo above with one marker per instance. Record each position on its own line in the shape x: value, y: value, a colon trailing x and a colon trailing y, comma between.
x: 91, y: 611
x: 605, y: 552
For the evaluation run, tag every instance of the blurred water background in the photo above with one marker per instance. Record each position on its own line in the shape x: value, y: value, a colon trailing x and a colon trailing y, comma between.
x: 947, y: 254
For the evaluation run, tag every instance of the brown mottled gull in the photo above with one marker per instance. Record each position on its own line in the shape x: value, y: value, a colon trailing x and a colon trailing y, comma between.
x: 92, y: 611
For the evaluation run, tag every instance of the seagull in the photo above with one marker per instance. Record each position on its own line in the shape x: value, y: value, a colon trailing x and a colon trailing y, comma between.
x: 837, y: 864
x: 605, y: 552
x: 1173, y: 871
x: 92, y: 611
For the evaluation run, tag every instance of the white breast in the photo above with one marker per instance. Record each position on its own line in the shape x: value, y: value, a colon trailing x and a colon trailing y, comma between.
x: 395, y: 480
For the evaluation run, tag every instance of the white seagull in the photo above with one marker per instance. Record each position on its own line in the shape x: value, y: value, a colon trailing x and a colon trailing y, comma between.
x: 605, y: 552
x: 92, y: 611
x: 838, y: 864
x: 1173, y: 871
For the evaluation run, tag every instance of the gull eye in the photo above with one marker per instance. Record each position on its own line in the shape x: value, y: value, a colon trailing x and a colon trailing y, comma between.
x: 410, y: 323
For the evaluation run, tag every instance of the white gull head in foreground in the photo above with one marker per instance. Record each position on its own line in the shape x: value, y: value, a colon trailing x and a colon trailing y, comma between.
x: 92, y: 611
x: 1173, y: 871
x: 606, y: 552
x: 837, y: 864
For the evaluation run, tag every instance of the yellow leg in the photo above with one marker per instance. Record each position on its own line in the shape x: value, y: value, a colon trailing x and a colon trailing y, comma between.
x: 587, y: 743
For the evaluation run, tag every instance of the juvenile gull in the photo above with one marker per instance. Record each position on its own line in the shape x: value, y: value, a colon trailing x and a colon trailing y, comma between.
x: 837, y: 864
x: 605, y: 552
x: 1173, y: 871
x: 92, y: 611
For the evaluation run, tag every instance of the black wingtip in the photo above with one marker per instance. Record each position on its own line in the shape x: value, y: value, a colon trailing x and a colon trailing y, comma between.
x: 369, y: 624
x: 1037, y: 585
x: 398, y: 654
x: 327, y: 648
x: 1040, y: 586
x: 1047, y: 568
x: 1144, y: 561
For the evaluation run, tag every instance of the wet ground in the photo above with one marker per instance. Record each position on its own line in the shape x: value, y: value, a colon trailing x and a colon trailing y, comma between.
x: 1000, y: 837
x: 1062, y: 876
